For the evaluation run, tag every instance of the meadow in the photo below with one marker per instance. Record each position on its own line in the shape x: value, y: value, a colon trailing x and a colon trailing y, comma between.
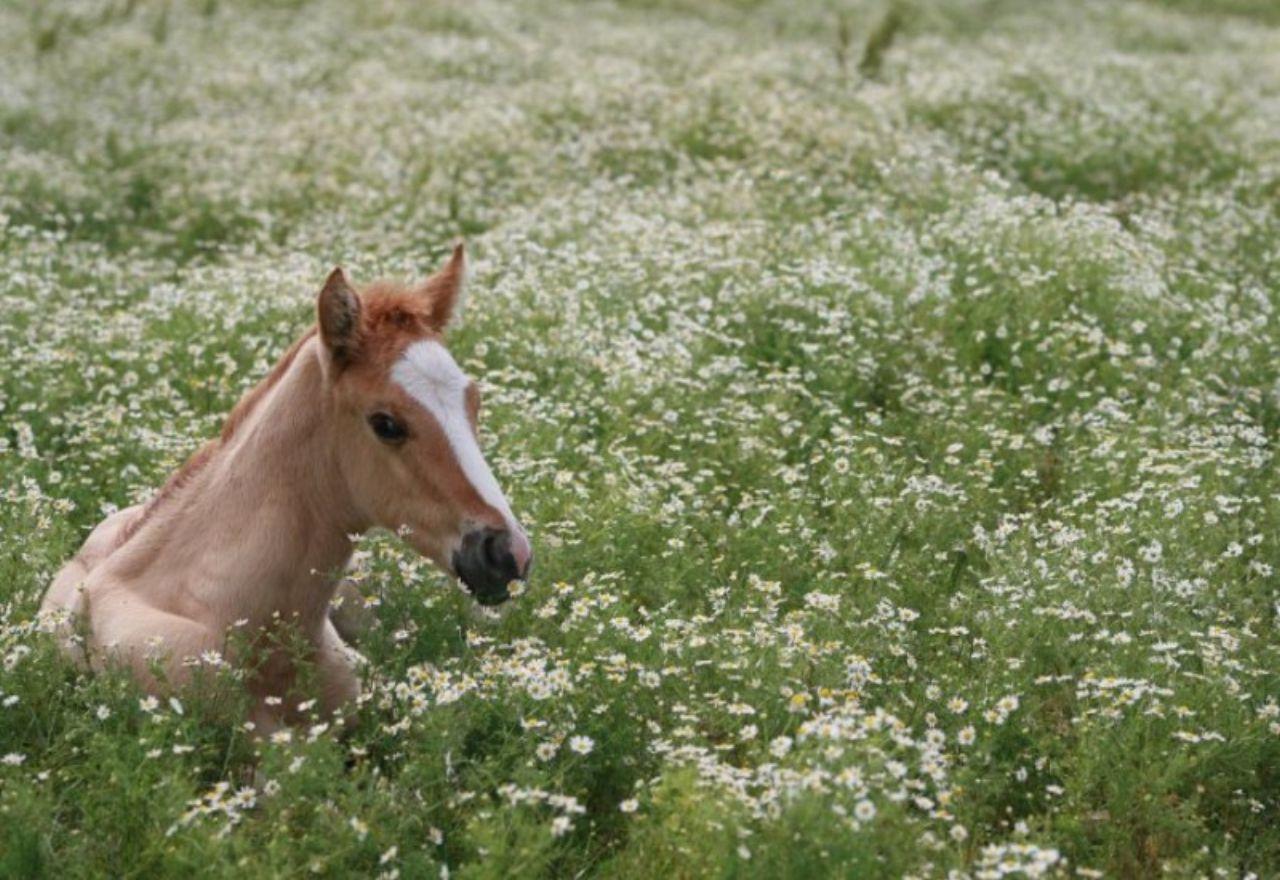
x: 892, y: 396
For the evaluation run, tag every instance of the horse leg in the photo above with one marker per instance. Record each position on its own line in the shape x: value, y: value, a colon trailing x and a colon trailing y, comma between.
x: 65, y: 599
x: 147, y: 640
x: 336, y: 665
x: 350, y: 617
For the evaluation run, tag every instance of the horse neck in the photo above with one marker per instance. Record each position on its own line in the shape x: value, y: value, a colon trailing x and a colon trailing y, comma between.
x: 270, y: 514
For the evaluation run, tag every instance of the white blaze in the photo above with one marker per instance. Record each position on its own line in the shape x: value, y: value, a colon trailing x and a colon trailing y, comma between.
x: 429, y: 375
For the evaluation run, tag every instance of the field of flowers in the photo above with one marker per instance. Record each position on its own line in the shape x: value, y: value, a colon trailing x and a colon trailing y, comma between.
x: 892, y: 395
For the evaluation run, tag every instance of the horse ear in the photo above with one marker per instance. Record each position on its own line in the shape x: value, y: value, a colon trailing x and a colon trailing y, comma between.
x: 338, y: 313
x: 443, y: 290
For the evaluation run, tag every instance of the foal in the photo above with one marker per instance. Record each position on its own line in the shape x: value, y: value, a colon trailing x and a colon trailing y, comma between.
x: 366, y: 421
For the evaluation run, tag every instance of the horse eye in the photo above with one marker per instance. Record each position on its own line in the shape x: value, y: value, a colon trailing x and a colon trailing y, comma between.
x: 387, y: 427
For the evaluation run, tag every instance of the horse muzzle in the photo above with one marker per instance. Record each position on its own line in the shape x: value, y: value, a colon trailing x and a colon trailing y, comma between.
x: 489, y: 560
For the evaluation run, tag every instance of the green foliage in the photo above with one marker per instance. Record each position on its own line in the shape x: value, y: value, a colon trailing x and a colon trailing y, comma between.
x: 898, y: 450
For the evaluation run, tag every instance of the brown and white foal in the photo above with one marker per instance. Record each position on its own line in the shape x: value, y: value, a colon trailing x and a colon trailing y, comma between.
x: 366, y: 421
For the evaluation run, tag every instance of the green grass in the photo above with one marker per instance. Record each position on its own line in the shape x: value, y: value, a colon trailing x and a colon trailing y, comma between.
x: 893, y: 407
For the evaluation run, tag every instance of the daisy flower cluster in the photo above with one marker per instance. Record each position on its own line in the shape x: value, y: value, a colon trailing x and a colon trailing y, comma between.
x: 890, y: 392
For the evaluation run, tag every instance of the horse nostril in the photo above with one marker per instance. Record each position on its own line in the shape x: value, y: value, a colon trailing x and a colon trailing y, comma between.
x: 495, y: 548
